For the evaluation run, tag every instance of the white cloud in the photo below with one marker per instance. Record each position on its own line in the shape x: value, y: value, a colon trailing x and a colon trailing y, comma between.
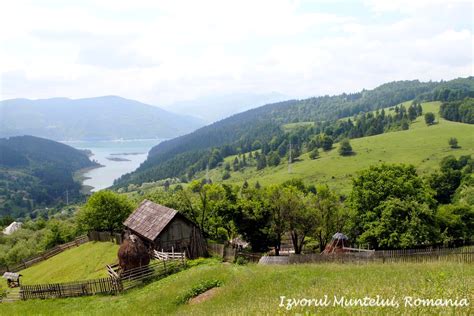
x: 165, y: 51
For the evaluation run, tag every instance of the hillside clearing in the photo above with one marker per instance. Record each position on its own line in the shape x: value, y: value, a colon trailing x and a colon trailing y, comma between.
x: 423, y: 146
x: 255, y: 289
x: 84, y: 262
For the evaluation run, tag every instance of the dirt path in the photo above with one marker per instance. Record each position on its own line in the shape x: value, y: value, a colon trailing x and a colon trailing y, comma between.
x: 204, y: 296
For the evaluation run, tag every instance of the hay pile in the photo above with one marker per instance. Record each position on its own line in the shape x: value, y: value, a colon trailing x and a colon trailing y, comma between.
x: 133, y: 254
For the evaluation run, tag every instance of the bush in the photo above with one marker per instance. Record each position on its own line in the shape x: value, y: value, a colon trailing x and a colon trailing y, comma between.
x: 345, y: 149
x: 226, y: 175
x: 429, y: 118
x: 198, y: 289
x: 453, y: 143
x: 239, y: 260
x: 314, y: 154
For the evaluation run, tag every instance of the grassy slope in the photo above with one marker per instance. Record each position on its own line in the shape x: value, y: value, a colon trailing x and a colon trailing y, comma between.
x: 257, y: 289
x: 84, y: 262
x: 421, y: 145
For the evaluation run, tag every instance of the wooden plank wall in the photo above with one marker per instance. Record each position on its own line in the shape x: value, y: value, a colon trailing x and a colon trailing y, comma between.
x: 216, y: 249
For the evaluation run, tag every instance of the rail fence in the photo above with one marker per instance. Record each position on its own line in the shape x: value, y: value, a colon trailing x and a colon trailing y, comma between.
x: 26, y: 263
x: 114, y: 284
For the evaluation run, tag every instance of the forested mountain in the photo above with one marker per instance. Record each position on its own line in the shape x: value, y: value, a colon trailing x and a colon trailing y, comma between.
x: 36, y: 172
x: 101, y: 118
x: 261, y: 128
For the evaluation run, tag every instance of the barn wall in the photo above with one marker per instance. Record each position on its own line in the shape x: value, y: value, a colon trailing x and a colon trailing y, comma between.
x: 177, y: 235
x: 181, y: 235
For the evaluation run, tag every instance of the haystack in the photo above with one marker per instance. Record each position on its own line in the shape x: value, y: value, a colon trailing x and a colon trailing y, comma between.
x: 337, y: 244
x: 133, y: 254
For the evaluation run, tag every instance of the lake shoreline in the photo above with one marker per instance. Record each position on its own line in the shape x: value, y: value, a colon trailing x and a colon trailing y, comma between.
x: 80, y: 176
x: 116, y: 157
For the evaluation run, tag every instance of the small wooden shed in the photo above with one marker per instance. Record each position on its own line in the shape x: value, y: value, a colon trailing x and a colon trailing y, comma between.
x: 163, y: 228
x: 13, y: 279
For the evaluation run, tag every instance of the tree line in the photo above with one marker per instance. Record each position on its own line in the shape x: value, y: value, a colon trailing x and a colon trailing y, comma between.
x: 390, y: 207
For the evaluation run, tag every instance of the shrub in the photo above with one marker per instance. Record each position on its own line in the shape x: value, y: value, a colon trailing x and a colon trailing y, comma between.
x: 239, y: 260
x: 198, y: 289
x: 453, y: 143
x: 345, y: 149
x: 313, y: 154
x: 429, y: 118
x: 226, y: 175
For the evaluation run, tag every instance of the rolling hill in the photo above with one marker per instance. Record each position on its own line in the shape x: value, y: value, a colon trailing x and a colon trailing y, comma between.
x: 187, y: 155
x: 101, y: 118
x: 423, y: 146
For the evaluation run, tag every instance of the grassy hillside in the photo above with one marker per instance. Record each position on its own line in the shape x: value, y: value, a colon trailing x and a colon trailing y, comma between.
x: 255, y: 289
x: 423, y: 146
x: 84, y: 262
x: 187, y: 155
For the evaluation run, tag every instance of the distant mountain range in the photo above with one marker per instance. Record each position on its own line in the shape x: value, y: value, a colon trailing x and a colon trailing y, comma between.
x: 100, y: 118
x: 218, y: 107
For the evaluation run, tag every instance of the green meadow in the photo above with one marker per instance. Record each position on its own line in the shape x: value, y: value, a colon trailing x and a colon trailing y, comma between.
x: 423, y: 146
x: 84, y: 262
x: 256, y: 289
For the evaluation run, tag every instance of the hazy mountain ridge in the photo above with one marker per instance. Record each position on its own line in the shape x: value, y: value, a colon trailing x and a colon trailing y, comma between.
x: 100, y: 118
x: 214, y: 108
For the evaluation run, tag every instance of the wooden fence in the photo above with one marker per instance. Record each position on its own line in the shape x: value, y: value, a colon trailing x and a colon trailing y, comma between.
x: 112, y: 285
x: 105, y: 236
x: 216, y: 249
x: 26, y: 263
x: 462, y: 255
x: 162, y: 255
x: 250, y: 257
x: 71, y: 289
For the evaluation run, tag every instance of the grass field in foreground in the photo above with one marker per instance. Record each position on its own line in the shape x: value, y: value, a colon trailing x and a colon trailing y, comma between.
x: 84, y: 262
x: 256, y: 289
x: 423, y: 146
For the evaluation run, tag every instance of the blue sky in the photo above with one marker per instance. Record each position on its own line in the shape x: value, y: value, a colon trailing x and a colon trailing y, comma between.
x: 162, y: 52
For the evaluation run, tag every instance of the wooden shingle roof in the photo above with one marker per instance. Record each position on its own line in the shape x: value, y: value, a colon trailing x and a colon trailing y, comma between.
x: 149, y: 219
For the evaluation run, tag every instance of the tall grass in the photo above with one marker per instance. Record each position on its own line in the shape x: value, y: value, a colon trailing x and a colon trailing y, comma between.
x: 255, y: 289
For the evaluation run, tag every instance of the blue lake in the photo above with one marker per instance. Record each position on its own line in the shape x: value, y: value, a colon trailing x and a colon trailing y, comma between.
x: 134, y: 151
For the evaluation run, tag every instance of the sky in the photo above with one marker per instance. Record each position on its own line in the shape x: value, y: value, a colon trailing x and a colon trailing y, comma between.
x: 161, y: 52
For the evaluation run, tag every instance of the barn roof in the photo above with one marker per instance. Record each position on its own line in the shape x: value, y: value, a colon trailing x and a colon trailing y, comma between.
x: 11, y: 275
x: 149, y: 219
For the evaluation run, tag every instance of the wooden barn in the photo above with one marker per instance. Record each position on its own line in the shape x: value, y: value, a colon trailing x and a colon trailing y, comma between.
x: 163, y: 228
